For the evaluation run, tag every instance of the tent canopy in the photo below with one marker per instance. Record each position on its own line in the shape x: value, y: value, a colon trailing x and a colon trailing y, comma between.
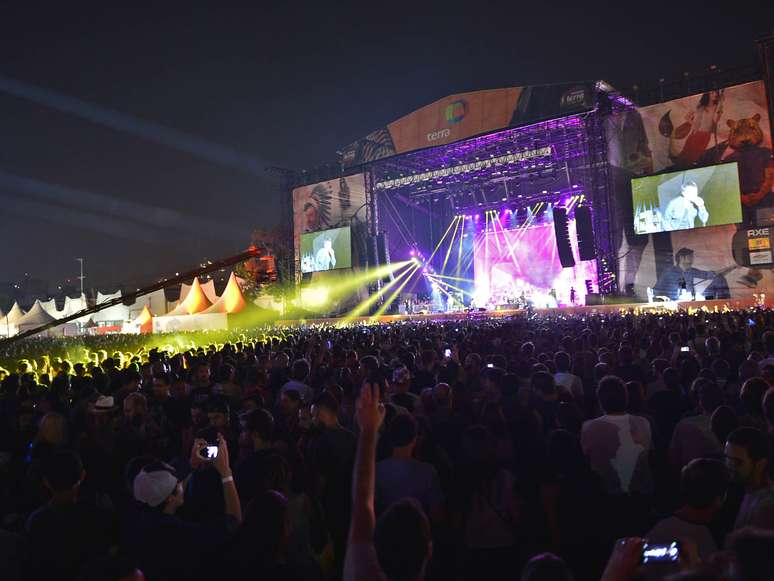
x: 231, y: 301
x: 208, y: 288
x: 119, y: 312
x: 15, y: 314
x: 37, y: 315
x: 143, y: 317
x: 195, y: 301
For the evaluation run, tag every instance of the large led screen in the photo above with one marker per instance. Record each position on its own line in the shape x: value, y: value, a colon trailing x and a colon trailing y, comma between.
x: 683, y: 200
x: 326, y: 250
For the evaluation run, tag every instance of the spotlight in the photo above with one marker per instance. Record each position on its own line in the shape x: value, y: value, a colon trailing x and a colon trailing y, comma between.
x: 413, y: 252
x: 478, y: 216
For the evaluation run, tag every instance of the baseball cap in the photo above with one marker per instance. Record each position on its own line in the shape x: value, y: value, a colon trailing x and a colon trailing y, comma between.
x: 154, y: 484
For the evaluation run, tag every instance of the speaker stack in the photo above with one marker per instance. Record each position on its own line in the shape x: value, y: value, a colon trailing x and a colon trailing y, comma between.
x: 562, y: 231
x: 584, y: 227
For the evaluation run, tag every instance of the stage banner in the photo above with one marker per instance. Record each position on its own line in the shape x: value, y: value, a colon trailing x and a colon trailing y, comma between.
x: 466, y: 115
x: 727, y: 125
x: 330, y: 204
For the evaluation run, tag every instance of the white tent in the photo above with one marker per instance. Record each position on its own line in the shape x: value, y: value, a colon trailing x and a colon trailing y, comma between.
x: 196, y: 322
x: 208, y: 288
x: 34, y: 318
x: 37, y: 315
x: 117, y: 314
x: 155, y: 301
x: 8, y: 325
x: 14, y: 314
x: 50, y: 307
x: 75, y: 305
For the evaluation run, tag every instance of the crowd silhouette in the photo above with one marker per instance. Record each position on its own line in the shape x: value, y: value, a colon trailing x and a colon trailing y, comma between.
x: 533, y: 447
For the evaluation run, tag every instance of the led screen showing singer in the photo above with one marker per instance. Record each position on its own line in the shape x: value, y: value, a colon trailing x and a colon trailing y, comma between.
x: 326, y: 250
x: 695, y: 198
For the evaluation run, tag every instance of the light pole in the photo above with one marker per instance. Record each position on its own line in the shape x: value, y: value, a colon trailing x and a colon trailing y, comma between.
x: 81, y: 277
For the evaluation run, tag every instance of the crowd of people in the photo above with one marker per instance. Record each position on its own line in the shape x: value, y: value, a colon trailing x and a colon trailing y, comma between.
x: 535, y: 447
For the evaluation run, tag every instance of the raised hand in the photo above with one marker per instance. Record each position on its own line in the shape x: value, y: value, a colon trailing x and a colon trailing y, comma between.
x: 369, y: 412
x: 625, y: 561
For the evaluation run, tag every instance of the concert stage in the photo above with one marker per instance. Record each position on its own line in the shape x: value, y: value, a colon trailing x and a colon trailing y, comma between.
x: 523, y: 196
x: 621, y: 308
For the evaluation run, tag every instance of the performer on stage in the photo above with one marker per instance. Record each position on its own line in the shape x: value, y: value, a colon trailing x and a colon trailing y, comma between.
x: 681, y: 212
x: 326, y: 257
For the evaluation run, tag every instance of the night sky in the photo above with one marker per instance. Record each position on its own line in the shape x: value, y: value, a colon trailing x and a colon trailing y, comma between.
x: 135, y: 137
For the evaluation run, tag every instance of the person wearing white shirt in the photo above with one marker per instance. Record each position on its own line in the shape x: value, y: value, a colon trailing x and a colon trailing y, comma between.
x: 681, y: 212
x: 565, y: 380
x: 617, y: 443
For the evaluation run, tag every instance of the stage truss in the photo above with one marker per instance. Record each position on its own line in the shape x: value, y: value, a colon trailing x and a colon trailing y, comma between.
x: 418, y: 193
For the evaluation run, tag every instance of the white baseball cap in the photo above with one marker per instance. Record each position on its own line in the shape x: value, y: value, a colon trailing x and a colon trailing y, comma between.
x: 154, y: 486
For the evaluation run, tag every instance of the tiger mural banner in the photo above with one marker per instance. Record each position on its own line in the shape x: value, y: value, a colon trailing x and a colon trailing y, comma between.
x: 720, y: 126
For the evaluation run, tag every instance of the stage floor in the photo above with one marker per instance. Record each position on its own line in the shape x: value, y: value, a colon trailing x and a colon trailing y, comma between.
x: 715, y: 306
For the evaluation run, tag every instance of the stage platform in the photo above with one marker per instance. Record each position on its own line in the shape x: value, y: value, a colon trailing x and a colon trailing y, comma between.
x: 637, y: 308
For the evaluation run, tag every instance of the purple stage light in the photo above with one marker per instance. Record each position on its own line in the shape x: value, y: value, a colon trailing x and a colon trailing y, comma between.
x: 478, y: 216
x: 413, y: 253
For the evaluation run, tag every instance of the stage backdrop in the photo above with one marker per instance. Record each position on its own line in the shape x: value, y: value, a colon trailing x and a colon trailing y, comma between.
x: 507, y: 262
x: 326, y: 205
x: 699, y: 130
x: 465, y: 115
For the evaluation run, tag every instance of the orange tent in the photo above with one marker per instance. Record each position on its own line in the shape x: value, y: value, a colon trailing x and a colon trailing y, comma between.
x: 231, y: 301
x: 144, y: 321
x: 194, y: 302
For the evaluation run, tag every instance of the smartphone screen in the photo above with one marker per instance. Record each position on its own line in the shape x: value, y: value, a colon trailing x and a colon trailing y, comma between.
x: 490, y: 364
x: 654, y: 553
x: 447, y: 353
x: 210, y: 452
x: 685, y: 348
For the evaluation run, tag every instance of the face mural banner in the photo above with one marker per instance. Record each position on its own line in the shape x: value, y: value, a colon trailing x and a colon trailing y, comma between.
x: 324, y: 206
x: 728, y: 126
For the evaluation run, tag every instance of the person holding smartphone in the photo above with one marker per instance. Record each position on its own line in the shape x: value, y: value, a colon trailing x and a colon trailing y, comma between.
x: 703, y: 486
x: 163, y: 545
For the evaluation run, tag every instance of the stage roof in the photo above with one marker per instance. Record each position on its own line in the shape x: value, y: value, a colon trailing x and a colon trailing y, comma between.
x: 465, y: 115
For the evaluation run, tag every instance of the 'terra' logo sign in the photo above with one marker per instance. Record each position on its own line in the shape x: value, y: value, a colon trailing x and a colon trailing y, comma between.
x: 436, y: 135
x: 575, y: 97
x: 456, y: 111
x: 453, y: 114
